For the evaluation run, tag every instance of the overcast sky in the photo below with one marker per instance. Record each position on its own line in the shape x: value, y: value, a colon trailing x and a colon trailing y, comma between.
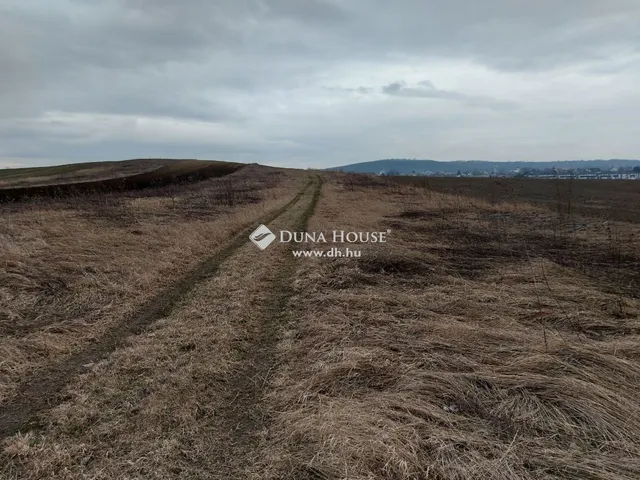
x: 318, y: 82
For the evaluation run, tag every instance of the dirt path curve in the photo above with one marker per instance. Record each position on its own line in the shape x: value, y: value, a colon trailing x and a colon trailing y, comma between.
x: 42, y: 391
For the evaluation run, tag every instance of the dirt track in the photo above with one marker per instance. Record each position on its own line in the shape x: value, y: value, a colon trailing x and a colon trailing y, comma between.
x: 43, y: 392
x: 241, y: 413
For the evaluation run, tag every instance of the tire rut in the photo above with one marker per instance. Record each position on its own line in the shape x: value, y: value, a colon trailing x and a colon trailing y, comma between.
x: 43, y: 390
x: 243, y: 415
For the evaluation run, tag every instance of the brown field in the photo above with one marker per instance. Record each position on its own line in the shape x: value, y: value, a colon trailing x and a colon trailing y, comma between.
x: 492, y: 337
x: 74, y: 267
x: 619, y: 200
x: 77, y: 172
x: 75, y: 179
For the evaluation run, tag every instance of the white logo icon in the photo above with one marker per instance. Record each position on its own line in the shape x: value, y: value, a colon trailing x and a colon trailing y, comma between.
x: 262, y: 237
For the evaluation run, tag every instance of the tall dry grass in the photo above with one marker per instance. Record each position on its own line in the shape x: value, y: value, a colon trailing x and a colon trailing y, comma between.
x: 479, y: 343
x: 180, y: 400
x: 69, y: 269
x: 483, y: 341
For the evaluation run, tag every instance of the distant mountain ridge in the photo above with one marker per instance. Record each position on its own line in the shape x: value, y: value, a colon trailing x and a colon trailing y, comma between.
x: 405, y: 166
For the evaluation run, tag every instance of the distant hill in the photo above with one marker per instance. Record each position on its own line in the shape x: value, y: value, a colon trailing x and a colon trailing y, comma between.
x: 407, y: 167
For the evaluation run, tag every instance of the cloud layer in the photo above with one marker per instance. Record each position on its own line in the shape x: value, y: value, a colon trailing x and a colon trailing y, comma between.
x: 319, y: 82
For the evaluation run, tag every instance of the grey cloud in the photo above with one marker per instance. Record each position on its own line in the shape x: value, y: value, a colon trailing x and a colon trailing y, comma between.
x: 312, y: 11
x: 503, y: 34
x: 427, y: 83
x: 360, y: 90
x: 242, y: 62
x: 393, y: 88
x: 426, y: 89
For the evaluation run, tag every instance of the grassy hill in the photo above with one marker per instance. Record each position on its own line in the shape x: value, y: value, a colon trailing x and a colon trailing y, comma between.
x: 107, y: 176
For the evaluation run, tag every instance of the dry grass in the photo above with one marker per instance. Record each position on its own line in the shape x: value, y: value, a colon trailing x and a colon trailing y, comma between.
x: 77, y: 172
x: 485, y: 340
x: 598, y: 199
x: 118, y: 177
x: 461, y: 349
x: 169, y: 404
x: 70, y: 269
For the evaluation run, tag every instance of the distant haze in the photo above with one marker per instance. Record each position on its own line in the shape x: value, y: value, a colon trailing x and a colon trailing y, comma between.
x: 317, y: 83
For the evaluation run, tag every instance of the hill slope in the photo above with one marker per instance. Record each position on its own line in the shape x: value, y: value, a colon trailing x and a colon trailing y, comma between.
x: 112, y: 176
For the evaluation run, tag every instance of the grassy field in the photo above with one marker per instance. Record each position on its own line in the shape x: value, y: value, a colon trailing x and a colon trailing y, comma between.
x: 65, y: 180
x: 76, y: 172
x: 73, y: 267
x: 491, y: 337
x: 483, y: 341
x: 592, y: 198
